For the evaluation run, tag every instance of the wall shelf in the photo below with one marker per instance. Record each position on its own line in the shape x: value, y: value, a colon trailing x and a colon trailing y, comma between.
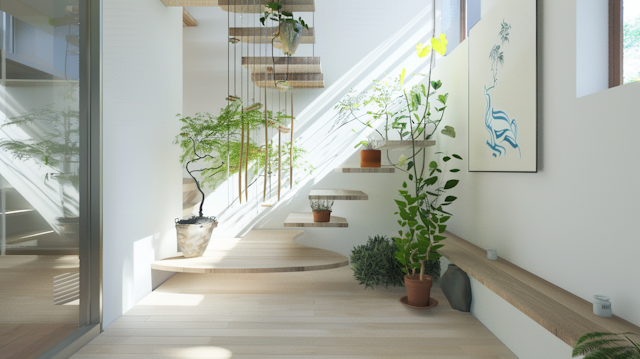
x: 366, y: 170
x: 397, y: 145
x: 338, y: 195
x: 305, y: 220
x: 564, y: 314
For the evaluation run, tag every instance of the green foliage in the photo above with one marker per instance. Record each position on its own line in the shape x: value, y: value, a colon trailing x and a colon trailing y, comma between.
x: 321, y: 205
x: 275, y: 13
x: 57, y: 144
x: 374, y: 264
x: 607, y: 346
x: 221, y: 139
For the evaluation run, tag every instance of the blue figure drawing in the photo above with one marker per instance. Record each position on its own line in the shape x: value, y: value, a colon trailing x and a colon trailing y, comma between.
x: 501, y: 128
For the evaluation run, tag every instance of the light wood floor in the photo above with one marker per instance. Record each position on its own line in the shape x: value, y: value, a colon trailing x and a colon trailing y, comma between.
x: 30, y: 322
x: 314, y: 315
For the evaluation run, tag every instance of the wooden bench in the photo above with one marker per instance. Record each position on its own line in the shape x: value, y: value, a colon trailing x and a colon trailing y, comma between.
x: 565, y: 315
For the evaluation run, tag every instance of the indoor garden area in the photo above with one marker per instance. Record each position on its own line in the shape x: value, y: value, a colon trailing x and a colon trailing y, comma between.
x: 319, y: 179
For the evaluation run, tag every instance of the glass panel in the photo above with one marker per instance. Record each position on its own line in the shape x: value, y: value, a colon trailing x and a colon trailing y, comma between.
x: 631, y: 42
x: 39, y: 163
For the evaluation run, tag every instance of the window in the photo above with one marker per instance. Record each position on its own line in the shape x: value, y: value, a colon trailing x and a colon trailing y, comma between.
x: 624, y: 42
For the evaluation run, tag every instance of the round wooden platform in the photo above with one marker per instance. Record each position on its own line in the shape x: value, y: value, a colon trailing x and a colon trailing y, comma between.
x: 260, y: 251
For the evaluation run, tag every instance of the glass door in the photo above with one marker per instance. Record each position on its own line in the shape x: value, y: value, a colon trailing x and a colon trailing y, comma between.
x: 43, y: 121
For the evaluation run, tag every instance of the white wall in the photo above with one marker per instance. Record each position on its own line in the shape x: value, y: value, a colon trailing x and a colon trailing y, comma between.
x: 142, y: 93
x: 573, y: 222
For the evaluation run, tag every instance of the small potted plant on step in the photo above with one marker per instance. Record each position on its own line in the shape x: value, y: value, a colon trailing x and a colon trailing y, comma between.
x: 369, y: 156
x: 194, y: 233
x: 321, y: 210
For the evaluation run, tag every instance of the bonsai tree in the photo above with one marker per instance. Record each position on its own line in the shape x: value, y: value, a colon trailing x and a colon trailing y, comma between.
x: 607, y: 346
x: 200, y: 219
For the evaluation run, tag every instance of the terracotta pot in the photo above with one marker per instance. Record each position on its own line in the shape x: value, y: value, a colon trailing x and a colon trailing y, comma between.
x: 324, y: 216
x: 418, y: 291
x: 370, y: 158
x: 193, y: 239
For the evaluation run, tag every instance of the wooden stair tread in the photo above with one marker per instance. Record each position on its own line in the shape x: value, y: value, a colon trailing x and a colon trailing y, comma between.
x: 296, y: 80
x: 338, y: 195
x: 256, y: 35
x: 258, y: 6
x: 564, y: 314
x: 283, y: 64
x: 305, y: 220
x: 366, y: 170
x: 260, y: 251
x: 402, y: 145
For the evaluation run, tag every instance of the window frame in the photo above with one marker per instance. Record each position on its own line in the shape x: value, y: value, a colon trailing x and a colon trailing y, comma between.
x: 616, y: 38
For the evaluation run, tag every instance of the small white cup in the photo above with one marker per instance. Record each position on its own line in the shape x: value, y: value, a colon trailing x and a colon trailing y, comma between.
x: 602, y: 306
x: 492, y: 254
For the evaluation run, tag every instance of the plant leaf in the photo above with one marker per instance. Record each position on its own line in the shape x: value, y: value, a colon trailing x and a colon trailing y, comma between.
x: 449, y: 131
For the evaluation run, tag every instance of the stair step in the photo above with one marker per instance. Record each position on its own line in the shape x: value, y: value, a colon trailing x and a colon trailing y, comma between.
x: 283, y: 64
x: 257, y: 7
x: 366, y: 170
x: 397, y: 145
x: 30, y: 236
x: 338, y: 195
x: 302, y: 220
x: 13, y: 212
x: 257, y: 35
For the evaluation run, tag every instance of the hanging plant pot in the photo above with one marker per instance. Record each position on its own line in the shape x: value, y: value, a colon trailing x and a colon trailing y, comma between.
x: 193, y: 239
x: 370, y: 158
x: 283, y: 129
x: 419, y: 291
x: 288, y: 39
x: 322, y: 216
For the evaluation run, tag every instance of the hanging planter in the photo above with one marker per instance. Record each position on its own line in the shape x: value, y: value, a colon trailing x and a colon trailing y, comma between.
x: 289, y: 35
x: 289, y: 31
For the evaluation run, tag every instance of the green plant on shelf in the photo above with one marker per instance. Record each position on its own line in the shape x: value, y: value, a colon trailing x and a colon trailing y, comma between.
x: 275, y: 13
x: 599, y: 345
x: 318, y: 205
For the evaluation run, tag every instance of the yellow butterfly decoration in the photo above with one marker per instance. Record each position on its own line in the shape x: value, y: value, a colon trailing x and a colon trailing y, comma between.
x: 422, y: 50
x: 440, y: 46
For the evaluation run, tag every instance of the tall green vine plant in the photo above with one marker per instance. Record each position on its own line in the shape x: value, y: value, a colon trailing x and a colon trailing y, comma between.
x: 423, y: 205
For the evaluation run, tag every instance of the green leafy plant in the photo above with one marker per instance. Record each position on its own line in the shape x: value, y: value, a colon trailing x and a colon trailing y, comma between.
x: 424, y: 199
x: 274, y: 12
x: 368, y: 144
x: 374, y: 264
x: 607, y: 346
x: 56, y: 145
x: 321, y: 205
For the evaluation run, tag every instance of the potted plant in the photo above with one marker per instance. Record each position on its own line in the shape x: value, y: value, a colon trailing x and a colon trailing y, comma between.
x: 321, y: 210
x: 369, y: 156
x: 607, y: 346
x: 423, y: 199
x: 289, y: 29
x: 194, y: 233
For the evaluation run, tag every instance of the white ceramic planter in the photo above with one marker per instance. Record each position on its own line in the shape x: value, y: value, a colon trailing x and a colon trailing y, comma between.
x: 193, y: 239
x: 602, y: 306
x: 289, y: 39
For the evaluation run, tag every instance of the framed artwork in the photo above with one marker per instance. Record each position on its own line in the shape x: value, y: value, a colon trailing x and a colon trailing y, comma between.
x: 503, y: 89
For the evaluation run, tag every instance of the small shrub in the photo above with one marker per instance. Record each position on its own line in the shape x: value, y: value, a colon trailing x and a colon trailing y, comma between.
x: 375, y: 264
x: 320, y: 205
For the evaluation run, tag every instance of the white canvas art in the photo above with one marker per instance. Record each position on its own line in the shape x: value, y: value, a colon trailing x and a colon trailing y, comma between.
x: 503, y: 89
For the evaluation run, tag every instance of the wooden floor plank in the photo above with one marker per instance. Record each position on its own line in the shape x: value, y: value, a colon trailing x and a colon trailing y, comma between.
x: 314, y: 315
